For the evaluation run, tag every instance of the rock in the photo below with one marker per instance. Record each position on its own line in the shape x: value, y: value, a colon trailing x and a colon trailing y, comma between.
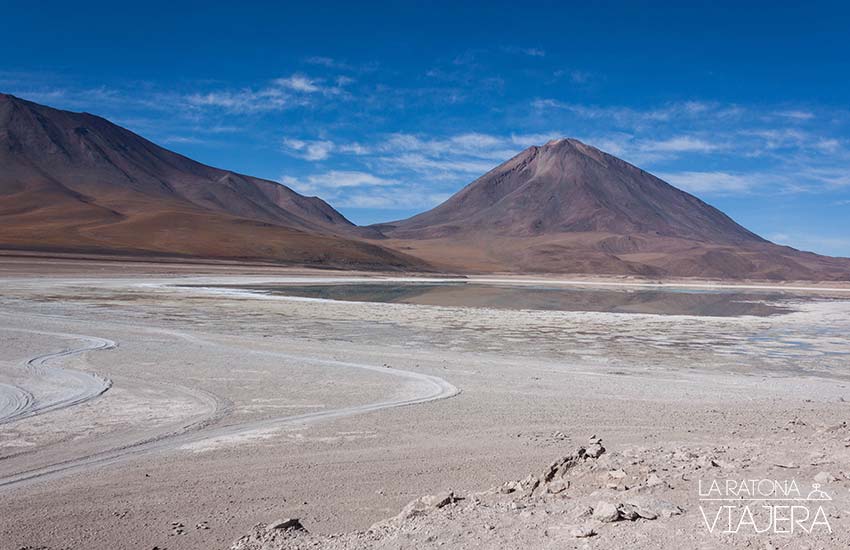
x: 652, y: 508
x: 646, y: 514
x: 582, y: 532
x: 824, y: 477
x: 722, y: 464
x: 653, y: 481
x: 508, y: 487
x: 288, y: 524
x: 594, y: 451
x: 628, y: 512
x: 557, y: 486
x: 617, y: 474
x: 528, y: 485
x: 440, y: 499
x: 605, y: 512
x: 562, y: 466
x: 584, y: 512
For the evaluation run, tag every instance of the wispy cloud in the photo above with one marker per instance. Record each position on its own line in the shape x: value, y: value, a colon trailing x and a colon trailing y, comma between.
x: 279, y: 94
x: 242, y: 101
x: 717, y: 183
x: 796, y: 114
x: 334, y: 180
x: 628, y: 115
x: 836, y: 246
x: 308, y: 149
x: 358, y: 189
x: 299, y: 83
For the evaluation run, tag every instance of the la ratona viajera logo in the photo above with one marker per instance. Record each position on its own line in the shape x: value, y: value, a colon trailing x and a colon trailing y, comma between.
x: 756, y: 506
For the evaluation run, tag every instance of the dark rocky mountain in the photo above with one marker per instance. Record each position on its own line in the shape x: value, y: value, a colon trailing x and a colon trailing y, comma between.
x: 567, y: 207
x: 75, y: 182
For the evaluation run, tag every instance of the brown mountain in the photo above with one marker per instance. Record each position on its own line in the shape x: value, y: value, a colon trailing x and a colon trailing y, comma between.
x: 75, y: 182
x: 567, y: 207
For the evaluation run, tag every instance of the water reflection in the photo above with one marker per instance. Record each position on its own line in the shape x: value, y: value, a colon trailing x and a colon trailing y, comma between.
x: 660, y: 301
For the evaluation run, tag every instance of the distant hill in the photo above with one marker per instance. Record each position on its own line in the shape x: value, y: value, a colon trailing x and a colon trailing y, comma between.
x: 75, y: 182
x: 567, y: 207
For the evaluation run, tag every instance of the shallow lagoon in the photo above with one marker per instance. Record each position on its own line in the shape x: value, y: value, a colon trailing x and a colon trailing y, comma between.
x: 665, y: 301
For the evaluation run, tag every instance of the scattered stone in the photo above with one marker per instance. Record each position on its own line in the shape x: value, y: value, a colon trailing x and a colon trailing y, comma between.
x: 628, y: 512
x: 440, y: 499
x: 288, y: 524
x: 824, y: 477
x: 557, y: 486
x: 653, y: 481
x: 605, y: 512
x: 583, y: 532
x: 651, y: 508
x: 594, y: 451
x: 584, y: 513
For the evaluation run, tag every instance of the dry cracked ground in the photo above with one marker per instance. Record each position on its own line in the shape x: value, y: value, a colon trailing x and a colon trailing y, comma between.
x: 248, y: 420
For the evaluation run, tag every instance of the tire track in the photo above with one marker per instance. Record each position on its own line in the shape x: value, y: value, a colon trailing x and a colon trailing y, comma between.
x: 78, y: 386
x: 436, y: 389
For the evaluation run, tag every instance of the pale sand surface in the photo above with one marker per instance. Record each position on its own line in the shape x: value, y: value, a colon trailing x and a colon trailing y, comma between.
x: 198, y: 424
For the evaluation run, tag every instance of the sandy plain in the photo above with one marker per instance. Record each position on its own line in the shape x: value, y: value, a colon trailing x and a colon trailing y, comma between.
x: 226, y: 408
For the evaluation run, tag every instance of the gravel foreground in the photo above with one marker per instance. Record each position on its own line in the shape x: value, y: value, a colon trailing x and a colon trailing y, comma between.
x: 637, y: 498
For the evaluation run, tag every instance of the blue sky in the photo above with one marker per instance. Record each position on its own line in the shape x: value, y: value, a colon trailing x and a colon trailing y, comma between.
x: 385, y: 109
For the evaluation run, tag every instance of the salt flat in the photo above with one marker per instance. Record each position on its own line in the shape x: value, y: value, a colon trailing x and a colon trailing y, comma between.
x: 230, y: 407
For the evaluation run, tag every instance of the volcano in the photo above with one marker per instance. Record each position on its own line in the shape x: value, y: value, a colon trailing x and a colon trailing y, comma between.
x: 567, y: 207
x: 77, y: 183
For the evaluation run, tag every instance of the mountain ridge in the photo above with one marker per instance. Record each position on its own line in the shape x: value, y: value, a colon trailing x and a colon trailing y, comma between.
x: 76, y: 181
x: 566, y: 206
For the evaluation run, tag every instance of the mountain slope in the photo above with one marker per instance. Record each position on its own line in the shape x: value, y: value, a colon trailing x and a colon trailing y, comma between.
x: 569, y: 207
x: 76, y: 182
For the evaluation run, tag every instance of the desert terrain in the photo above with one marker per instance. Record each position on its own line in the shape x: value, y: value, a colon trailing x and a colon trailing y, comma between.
x: 151, y: 405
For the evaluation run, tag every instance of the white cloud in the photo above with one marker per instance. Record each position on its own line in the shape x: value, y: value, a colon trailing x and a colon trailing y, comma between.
x: 796, y: 114
x: 833, y: 246
x: 280, y: 93
x: 830, y: 177
x: 334, y: 180
x: 630, y: 116
x: 183, y: 140
x: 320, y: 149
x: 299, y: 83
x: 397, y: 199
x: 353, y: 148
x: 713, y: 182
x: 323, y: 61
x: 242, y: 101
x: 308, y: 149
x: 439, y: 168
x: 679, y: 144
x: 579, y: 77
x: 356, y: 189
